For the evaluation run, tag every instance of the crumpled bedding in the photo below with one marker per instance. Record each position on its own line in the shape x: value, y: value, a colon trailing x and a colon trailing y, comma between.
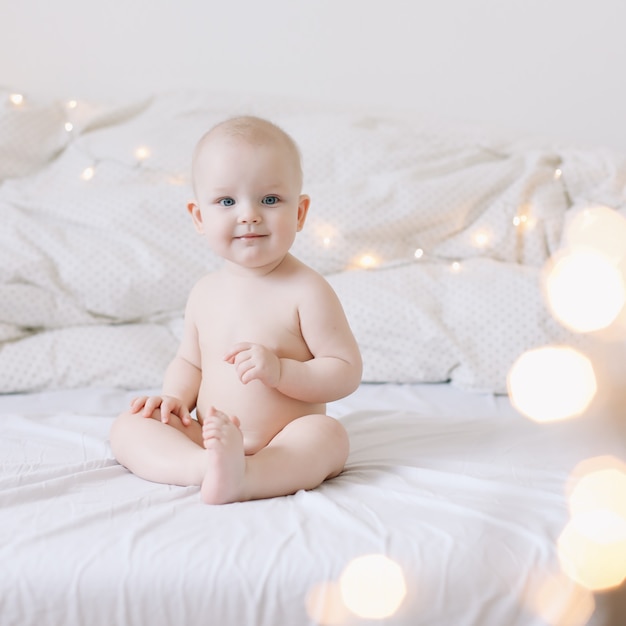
x: 465, y: 495
x: 97, y: 253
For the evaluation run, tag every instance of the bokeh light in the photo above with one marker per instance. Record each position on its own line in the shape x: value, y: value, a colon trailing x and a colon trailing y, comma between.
x: 325, y: 606
x: 599, y: 228
x: 584, y: 290
x: 600, y: 489
x: 372, y: 586
x: 592, y: 550
x: 551, y: 383
x: 558, y: 600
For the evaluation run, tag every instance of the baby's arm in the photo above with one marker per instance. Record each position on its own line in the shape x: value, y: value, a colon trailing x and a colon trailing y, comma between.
x: 181, y: 381
x: 335, y: 369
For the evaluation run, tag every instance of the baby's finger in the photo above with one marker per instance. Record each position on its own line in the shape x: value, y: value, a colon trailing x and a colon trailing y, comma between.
x: 136, y: 404
x: 185, y: 417
x: 235, y: 350
x: 152, y: 403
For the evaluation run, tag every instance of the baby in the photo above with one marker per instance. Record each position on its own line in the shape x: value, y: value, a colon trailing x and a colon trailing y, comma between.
x: 265, y: 343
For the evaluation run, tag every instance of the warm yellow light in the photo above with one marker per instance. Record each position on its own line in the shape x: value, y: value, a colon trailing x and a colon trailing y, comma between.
x: 16, y: 99
x: 481, y: 238
x: 326, y: 242
x: 88, y: 173
x: 604, y: 489
x: 455, y: 266
x: 551, y: 383
x: 601, y: 229
x: 559, y: 601
x: 142, y: 153
x: 587, y: 557
x: 72, y: 104
x: 368, y: 261
x: 372, y: 586
x: 557, y: 173
x: 520, y: 220
x: 584, y: 290
x: 324, y: 604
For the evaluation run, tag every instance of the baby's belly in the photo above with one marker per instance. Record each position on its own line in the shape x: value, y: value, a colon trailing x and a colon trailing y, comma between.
x: 262, y: 411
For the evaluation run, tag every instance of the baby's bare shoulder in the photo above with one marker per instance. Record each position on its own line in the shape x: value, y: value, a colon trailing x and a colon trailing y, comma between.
x: 310, y: 283
x: 201, y: 290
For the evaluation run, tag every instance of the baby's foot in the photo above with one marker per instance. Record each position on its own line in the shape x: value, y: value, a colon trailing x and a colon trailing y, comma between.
x: 224, y: 478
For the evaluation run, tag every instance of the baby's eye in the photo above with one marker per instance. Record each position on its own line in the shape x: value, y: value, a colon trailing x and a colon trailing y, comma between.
x: 269, y: 200
x: 226, y: 202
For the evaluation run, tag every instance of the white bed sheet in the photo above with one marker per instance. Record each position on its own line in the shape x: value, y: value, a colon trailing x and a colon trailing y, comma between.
x: 463, y: 493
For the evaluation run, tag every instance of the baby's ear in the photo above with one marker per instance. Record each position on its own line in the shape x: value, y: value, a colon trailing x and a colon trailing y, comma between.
x: 196, y: 216
x: 303, y: 208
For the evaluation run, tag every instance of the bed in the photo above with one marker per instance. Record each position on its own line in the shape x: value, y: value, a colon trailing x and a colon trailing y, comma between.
x: 454, y: 508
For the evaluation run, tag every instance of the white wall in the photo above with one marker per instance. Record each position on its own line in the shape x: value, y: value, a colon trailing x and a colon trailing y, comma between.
x: 550, y: 67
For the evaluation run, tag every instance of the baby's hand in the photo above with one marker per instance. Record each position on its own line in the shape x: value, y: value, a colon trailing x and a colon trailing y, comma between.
x: 253, y: 361
x: 168, y: 405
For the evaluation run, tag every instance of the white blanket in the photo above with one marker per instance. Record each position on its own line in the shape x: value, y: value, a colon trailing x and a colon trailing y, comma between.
x: 463, y: 494
x: 97, y: 253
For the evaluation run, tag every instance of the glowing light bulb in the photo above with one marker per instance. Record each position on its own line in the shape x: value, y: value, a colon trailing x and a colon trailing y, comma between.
x: 69, y: 127
x: 584, y: 290
x: 368, y: 261
x: 551, y: 383
x: 455, y: 266
x: 142, y: 153
x: 72, y: 104
x: 557, y: 173
x: 481, y: 238
x: 372, y: 586
x: 326, y: 242
x: 88, y: 173
x: 418, y: 254
x: 16, y: 99
x: 520, y: 220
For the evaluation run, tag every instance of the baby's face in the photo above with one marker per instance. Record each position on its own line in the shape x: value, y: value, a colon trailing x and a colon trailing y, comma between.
x: 248, y: 203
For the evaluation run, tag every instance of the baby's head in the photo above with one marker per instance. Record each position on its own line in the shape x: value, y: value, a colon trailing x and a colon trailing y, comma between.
x: 249, y: 130
x: 247, y: 181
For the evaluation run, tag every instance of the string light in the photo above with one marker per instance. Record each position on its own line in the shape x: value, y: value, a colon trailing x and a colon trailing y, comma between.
x: 455, y: 267
x: 418, y: 254
x: 72, y: 104
x: 16, y: 99
x: 69, y: 127
x: 368, y: 261
x: 88, y: 173
x: 142, y: 153
x: 481, y: 238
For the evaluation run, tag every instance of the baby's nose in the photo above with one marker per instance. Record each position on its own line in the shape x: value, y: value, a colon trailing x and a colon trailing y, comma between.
x: 249, y: 215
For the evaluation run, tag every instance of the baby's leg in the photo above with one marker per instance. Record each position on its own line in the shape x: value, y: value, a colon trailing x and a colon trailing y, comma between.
x: 304, y: 454
x: 163, y: 453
